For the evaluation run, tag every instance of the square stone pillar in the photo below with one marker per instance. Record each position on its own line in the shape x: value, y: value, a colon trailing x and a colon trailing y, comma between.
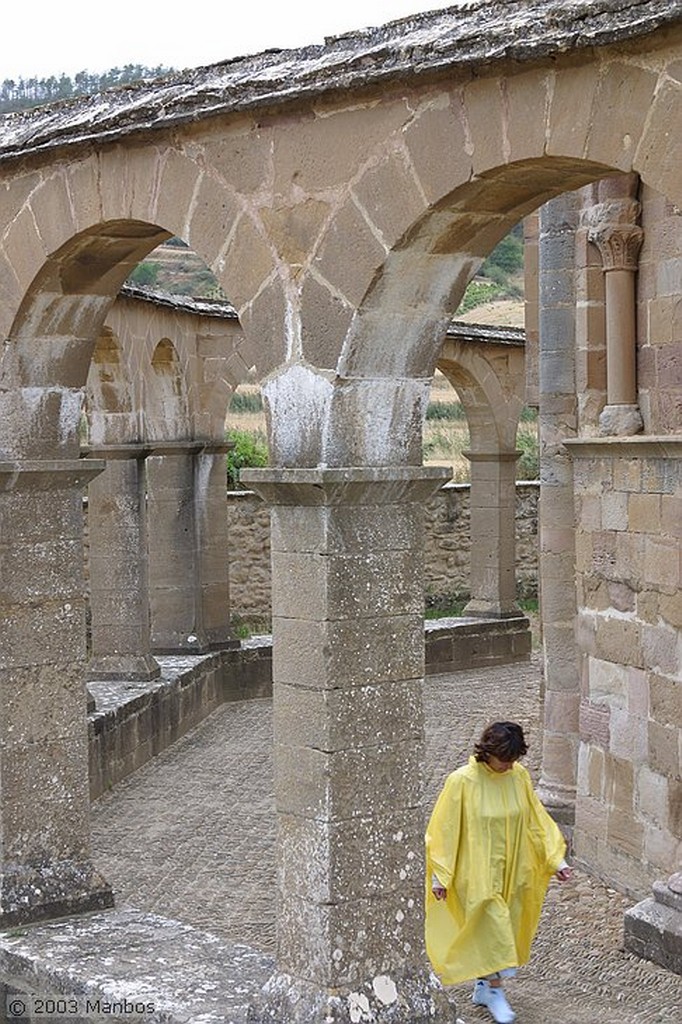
x: 45, y: 867
x: 348, y: 665
x: 493, y: 534
x: 119, y: 577
x: 188, y: 547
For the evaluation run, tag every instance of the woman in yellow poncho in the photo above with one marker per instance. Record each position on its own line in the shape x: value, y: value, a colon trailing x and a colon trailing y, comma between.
x: 491, y: 849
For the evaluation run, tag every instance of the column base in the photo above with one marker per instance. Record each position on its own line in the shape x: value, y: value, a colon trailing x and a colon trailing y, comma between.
x: 136, y: 667
x: 415, y: 999
x: 477, y: 609
x: 57, y: 889
x: 559, y: 801
x: 620, y: 421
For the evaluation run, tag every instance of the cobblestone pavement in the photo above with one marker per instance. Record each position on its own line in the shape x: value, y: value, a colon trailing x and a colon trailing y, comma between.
x: 191, y: 836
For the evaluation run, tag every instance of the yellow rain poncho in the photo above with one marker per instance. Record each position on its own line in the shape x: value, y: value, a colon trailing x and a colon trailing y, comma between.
x: 494, y: 847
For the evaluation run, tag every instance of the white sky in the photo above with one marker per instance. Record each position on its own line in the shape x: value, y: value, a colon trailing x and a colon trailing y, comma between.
x: 76, y: 35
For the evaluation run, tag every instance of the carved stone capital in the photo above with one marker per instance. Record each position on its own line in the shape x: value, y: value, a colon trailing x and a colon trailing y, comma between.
x: 612, y: 227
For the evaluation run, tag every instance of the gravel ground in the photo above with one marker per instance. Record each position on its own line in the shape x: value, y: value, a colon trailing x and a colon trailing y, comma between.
x: 191, y: 836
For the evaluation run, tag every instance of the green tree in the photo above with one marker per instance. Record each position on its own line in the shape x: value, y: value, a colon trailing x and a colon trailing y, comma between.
x: 250, y: 449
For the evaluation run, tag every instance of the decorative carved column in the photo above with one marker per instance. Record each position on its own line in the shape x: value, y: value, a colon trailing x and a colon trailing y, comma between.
x: 493, y: 534
x: 347, y: 669
x: 614, y: 230
x: 119, y: 577
x: 45, y: 866
x: 188, y: 547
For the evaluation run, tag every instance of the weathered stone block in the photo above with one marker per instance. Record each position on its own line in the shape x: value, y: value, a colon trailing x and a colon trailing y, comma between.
x: 345, y: 530
x: 389, y: 194
x: 342, y: 861
x: 625, y: 833
x: 350, y: 274
x: 335, y: 944
x: 663, y: 752
x: 623, y: 102
x: 653, y: 931
x: 348, y: 783
x: 436, y: 142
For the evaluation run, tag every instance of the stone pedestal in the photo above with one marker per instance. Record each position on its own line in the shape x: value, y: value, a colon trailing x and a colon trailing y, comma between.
x: 653, y: 928
x: 347, y: 668
x: 493, y: 535
x: 45, y: 867
x: 119, y: 588
x: 188, y: 548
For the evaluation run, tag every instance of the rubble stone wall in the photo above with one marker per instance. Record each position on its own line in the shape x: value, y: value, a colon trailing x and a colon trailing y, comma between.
x: 446, y: 557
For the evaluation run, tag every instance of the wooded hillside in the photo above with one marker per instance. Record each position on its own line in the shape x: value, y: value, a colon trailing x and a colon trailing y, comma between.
x: 24, y: 93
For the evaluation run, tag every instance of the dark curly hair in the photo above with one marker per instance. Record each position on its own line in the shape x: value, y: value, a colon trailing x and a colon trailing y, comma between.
x: 501, y: 739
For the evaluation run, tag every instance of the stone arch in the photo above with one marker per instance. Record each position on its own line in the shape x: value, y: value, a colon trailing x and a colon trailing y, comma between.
x: 166, y: 404
x: 50, y: 345
x: 392, y: 262
x: 109, y: 393
x: 492, y: 396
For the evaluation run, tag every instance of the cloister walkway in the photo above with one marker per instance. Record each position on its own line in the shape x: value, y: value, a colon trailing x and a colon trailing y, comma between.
x: 191, y: 836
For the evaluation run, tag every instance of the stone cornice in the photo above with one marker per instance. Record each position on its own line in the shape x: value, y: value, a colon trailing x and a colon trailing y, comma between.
x: 460, y: 39
x: 644, y: 446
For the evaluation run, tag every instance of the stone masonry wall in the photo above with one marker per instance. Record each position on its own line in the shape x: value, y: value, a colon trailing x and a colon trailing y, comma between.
x: 447, y: 547
x: 629, y: 515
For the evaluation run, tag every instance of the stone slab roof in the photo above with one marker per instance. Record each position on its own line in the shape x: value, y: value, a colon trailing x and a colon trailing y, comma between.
x: 498, y: 335
x: 424, y: 45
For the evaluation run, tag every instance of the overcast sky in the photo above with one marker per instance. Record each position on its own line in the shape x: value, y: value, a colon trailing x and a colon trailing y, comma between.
x: 76, y: 35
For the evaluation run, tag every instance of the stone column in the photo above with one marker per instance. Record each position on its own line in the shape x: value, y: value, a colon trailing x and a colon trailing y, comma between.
x: 188, y: 547
x: 557, y: 422
x: 493, y: 534
x: 119, y: 576
x: 45, y: 866
x: 614, y: 230
x: 348, y: 666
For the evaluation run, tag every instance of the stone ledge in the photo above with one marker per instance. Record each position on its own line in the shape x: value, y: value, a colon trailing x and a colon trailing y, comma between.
x: 126, y: 957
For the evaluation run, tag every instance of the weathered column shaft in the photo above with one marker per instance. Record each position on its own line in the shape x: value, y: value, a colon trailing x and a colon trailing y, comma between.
x: 212, y: 545
x: 347, y: 672
x: 557, y: 421
x: 45, y: 868
x: 189, y: 584
x: 493, y: 534
x: 621, y: 350
x: 119, y: 578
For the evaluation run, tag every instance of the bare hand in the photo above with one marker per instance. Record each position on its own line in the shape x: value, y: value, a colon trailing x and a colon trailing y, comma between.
x: 563, y: 874
x: 439, y: 892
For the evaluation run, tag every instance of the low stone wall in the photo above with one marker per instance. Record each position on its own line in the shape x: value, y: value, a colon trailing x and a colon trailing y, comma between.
x: 133, y: 722
x: 446, y: 548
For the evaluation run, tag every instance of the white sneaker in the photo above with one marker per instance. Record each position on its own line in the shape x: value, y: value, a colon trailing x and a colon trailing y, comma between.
x: 480, y: 993
x: 495, y: 1000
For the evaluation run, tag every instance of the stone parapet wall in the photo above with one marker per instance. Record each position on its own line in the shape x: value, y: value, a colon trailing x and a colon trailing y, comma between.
x: 446, y: 548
